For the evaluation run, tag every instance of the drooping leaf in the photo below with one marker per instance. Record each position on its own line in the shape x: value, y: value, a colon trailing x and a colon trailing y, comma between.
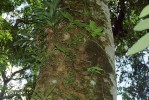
x: 145, y: 12
x: 142, y: 25
x: 142, y: 43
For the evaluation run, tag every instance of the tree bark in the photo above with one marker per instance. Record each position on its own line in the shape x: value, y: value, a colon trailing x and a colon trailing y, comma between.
x: 73, y: 53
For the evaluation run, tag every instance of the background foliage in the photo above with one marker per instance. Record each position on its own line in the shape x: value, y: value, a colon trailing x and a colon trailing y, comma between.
x: 132, y: 70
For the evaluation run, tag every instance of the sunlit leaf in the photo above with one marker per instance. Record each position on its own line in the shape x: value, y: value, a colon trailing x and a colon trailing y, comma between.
x: 142, y: 43
x: 142, y: 25
x: 5, y: 35
x: 145, y: 12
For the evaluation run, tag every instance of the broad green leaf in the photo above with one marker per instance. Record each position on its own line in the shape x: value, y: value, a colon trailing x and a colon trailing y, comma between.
x: 141, y: 44
x: 95, y: 69
x: 145, y: 12
x: 142, y: 25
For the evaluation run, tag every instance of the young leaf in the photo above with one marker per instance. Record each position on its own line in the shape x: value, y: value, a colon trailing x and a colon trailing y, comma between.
x: 142, y: 43
x: 145, y: 12
x: 92, y: 25
x: 142, y: 25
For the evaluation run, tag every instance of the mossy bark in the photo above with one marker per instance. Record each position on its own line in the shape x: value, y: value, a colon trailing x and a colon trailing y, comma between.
x: 72, y: 50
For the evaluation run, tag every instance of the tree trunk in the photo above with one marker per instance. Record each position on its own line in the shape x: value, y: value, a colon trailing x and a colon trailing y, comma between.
x: 80, y: 66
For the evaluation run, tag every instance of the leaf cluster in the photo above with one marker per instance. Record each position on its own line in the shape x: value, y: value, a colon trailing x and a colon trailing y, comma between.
x: 142, y: 25
x: 91, y: 27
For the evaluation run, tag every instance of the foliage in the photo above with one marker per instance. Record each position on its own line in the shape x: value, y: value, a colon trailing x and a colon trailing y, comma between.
x: 91, y: 28
x: 135, y: 78
x: 19, y: 46
x: 95, y: 31
x: 95, y: 69
x: 5, y: 36
x: 143, y: 25
x: 142, y: 43
x: 131, y: 77
x: 144, y: 12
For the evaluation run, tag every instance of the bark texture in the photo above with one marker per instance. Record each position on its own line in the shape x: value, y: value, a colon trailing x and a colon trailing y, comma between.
x: 73, y: 51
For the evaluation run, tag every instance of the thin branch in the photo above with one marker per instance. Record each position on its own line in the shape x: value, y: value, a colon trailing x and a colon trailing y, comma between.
x: 19, y: 71
x: 6, y: 80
